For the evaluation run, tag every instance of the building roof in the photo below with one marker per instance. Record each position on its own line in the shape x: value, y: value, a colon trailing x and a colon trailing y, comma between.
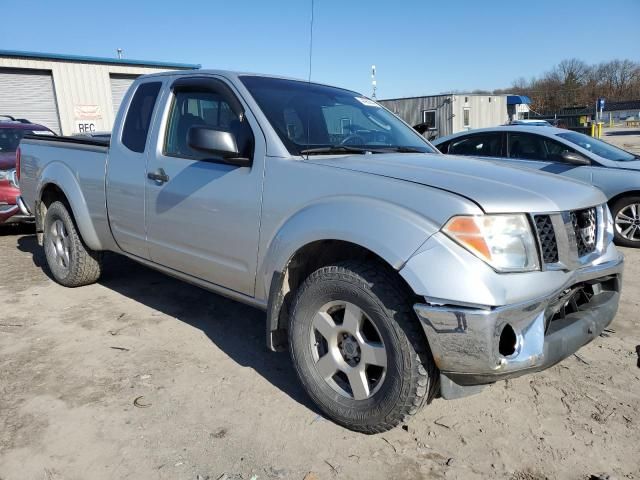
x: 450, y: 94
x: 89, y: 59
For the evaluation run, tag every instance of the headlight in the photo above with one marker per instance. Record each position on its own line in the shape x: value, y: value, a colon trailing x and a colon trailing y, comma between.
x: 608, y: 225
x: 503, y: 241
x: 9, y: 175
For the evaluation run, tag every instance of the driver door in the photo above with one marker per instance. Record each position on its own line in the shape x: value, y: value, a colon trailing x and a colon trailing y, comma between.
x: 204, y: 215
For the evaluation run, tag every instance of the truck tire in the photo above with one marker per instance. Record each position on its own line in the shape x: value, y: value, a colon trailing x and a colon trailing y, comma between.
x: 357, y: 347
x: 626, y: 221
x: 70, y: 261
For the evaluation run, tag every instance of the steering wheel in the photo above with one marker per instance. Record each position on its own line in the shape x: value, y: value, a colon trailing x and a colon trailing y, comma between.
x: 353, y: 139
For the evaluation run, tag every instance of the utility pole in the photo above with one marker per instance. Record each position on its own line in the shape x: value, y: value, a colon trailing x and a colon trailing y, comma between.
x: 119, y: 52
x: 374, y: 85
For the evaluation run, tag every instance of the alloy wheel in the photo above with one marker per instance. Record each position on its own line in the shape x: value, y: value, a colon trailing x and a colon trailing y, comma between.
x: 627, y: 222
x: 60, y: 244
x: 348, y: 350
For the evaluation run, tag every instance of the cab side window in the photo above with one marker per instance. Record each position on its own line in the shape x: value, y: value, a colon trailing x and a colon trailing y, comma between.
x: 480, y: 145
x: 526, y: 146
x: 203, y: 109
x: 556, y: 149
x: 136, y: 125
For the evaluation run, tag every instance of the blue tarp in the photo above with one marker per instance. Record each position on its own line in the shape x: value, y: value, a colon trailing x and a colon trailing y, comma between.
x: 518, y: 100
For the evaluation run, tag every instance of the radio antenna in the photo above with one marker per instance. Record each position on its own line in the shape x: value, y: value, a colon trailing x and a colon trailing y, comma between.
x: 311, y: 40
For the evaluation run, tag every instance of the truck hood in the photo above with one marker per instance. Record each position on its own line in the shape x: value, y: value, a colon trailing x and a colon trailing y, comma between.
x: 7, y: 160
x: 495, y: 188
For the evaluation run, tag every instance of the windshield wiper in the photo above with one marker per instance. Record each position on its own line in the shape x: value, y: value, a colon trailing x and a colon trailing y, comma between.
x: 401, y: 149
x: 334, y: 149
x: 360, y: 150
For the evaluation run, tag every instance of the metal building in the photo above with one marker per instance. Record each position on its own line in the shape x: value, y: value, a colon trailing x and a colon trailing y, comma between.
x: 441, y: 115
x: 69, y: 93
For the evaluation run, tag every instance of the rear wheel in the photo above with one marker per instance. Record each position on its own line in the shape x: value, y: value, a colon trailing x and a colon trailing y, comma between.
x: 358, y: 348
x: 70, y: 261
x: 626, y: 219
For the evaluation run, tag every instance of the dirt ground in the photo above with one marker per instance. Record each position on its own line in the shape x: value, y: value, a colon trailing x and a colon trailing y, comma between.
x: 623, y: 137
x: 217, y: 405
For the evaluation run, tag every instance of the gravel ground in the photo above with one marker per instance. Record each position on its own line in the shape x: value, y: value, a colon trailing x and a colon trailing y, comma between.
x: 623, y: 137
x: 213, y: 403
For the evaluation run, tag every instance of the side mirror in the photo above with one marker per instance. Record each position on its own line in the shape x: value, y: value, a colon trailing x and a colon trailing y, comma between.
x: 218, y: 142
x: 574, y: 158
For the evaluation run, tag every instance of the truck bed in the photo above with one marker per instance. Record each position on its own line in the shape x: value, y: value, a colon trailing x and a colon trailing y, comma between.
x: 79, y: 163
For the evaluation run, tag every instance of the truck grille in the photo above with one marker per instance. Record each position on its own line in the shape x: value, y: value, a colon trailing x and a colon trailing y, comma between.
x: 579, y: 235
x: 547, y: 237
x: 584, y: 225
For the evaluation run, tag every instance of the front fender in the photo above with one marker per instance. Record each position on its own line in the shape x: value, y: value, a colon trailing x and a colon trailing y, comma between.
x: 58, y: 174
x: 391, y: 231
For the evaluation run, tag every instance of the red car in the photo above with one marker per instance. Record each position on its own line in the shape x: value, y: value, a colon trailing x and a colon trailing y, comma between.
x: 11, y: 132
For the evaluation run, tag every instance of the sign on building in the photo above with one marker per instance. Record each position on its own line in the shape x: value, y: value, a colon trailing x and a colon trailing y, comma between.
x: 87, y: 119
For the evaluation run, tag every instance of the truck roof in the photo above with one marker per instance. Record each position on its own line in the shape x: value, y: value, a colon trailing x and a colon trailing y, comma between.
x: 236, y: 74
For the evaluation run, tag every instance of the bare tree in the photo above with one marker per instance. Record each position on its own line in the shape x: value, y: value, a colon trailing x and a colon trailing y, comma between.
x: 574, y: 83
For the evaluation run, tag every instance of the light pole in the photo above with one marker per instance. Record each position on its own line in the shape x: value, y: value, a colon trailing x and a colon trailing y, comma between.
x: 373, y: 81
x: 119, y: 52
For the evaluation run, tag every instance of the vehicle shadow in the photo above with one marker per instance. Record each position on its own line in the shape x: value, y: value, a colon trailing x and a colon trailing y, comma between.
x: 237, y: 329
x: 621, y: 133
x: 28, y: 243
x: 17, y: 229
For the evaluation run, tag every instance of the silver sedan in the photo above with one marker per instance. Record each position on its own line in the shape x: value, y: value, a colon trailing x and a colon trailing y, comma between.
x: 614, y: 171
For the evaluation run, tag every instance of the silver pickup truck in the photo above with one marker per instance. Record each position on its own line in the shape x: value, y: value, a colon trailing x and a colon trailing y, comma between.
x: 391, y: 272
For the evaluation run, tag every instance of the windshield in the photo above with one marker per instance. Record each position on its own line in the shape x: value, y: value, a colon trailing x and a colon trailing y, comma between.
x: 600, y: 148
x: 316, y: 119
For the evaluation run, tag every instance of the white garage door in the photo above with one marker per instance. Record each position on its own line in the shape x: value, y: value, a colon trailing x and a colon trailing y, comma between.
x: 29, y: 94
x: 119, y: 86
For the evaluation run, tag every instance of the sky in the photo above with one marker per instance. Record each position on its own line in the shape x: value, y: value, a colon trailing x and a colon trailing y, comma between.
x: 419, y: 47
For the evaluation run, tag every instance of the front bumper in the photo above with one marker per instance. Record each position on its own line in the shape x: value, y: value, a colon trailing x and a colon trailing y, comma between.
x: 466, y: 342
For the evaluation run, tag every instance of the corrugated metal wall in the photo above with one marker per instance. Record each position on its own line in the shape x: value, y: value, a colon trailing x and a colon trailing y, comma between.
x: 410, y: 110
x: 119, y: 86
x: 450, y: 111
x: 79, y: 84
x: 483, y: 112
x: 29, y: 94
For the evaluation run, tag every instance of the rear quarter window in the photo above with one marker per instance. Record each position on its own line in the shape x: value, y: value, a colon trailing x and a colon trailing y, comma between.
x: 138, y: 120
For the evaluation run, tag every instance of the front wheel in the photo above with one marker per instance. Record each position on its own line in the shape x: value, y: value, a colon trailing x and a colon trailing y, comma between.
x: 358, y: 349
x: 70, y: 261
x: 626, y: 221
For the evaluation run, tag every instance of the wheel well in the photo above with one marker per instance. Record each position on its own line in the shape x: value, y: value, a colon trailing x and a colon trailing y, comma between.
x: 50, y: 193
x: 630, y: 193
x: 305, y: 261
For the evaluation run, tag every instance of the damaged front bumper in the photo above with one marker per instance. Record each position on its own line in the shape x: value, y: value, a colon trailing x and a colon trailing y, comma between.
x: 473, y: 347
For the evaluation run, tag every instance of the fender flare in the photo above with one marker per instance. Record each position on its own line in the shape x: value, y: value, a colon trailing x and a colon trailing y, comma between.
x: 390, y: 231
x: 58, y: 174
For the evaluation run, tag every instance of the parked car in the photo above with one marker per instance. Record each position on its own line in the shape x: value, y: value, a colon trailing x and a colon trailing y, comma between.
x: 11, y: 132
x: 531, y: 123
x: 614, y: 171
x: 392, y: 272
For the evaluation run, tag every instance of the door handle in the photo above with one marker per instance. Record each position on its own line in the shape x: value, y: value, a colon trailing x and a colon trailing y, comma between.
x: 159, y: 176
